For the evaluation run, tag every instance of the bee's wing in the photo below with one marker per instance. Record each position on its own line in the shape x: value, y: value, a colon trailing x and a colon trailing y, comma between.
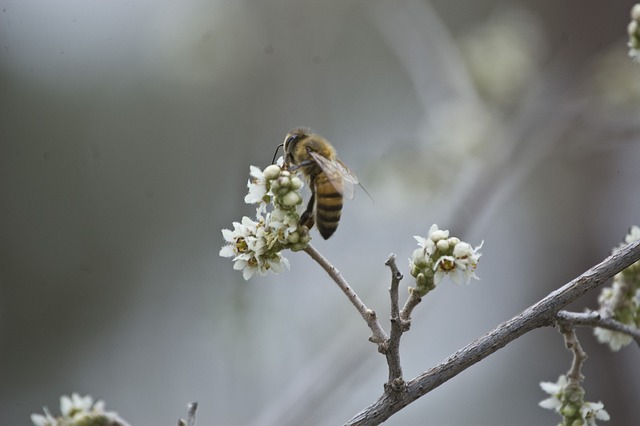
x: 338, y: 174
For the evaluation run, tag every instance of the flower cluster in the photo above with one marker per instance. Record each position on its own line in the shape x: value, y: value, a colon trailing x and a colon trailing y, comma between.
x: 79, y: 411
x: 255, y: 246
x: 439, y: 255
x: 621, y: 301
x: 634, y: 33
x: 567, y: 399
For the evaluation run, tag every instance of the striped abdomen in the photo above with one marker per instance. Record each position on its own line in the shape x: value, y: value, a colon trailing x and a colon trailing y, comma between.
x: 328, y: 206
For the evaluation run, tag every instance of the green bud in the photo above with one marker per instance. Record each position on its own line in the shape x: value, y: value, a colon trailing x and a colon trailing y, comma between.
x: 419, y: 259
x: 414, y: 271
x: 294, y: 237
x: 569, y: 410
x: 421, y: 280
x: 271, y: 172
x: 291, y: 199
x: 296, y: 183
x: 285, y: 181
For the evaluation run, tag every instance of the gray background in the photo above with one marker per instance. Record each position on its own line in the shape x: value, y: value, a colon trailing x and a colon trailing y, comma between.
x: 127, y: 130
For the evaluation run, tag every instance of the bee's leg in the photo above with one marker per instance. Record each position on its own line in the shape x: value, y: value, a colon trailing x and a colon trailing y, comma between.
x: 304, y: 163
x: 307, y: 219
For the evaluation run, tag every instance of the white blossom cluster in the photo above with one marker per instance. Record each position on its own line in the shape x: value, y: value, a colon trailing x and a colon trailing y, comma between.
x: 621, y: 301
x: 634, y: 33
x: 255, y: 246
x: 567, y: 399
x: 439, y: 255
x: 79, y: 410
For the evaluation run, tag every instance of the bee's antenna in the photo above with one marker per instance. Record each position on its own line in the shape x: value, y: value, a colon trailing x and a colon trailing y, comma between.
x: 366, y: 192
x: 276, y: 153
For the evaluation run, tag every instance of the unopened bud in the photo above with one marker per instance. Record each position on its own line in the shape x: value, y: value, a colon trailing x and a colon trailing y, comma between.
x: 272, y: 172
x: 291, y: 199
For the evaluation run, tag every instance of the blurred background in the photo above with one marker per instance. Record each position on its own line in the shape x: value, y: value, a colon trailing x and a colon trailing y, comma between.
x: 126, y: 133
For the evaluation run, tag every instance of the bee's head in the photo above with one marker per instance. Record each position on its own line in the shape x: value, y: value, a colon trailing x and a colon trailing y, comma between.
x: 292, y: 139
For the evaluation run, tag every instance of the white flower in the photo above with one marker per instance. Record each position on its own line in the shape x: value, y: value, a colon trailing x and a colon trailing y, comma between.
x: 466, y: 261
x: 443, y: 266
x: 76, y: 410
x: 75, y: 405
x: 592, y: 411
x: 239, y: 239
x: 257, y: 186
x: 255, y: 246
x: 633, y: 235
x: 620, y: 301
x: 426, y: 244
x: 439, y: 255
x: 46, y: 420
x: 615, y: 339
x: 555, y: 390
x: 567, y: 400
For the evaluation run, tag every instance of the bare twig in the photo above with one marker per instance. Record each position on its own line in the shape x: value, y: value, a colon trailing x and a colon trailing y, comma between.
x: 398, y: 326
x: 540, y: 314
x: 409, y: 305
x: 594, y: 319
x: 579, y: 355
x: 396, y: 277
x: 378, y: 335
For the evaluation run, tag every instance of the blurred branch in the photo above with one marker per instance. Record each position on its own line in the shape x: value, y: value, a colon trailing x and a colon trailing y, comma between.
x: 191, y: 415
x: 541, y: 314
x: 379, y: 336
x: 426, y: 50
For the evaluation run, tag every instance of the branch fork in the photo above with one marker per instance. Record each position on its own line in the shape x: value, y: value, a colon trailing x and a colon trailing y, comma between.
x: 544, y: 313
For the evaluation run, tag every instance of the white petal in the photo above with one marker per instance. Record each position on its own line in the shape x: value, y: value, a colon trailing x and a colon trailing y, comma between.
x: 66, y: 405
x: 550, y: 404
x: 227, y: 251
x: 227, y: 234
x: 550, y: 387
x: 256, y: 172
x: 247, y: 273
x: 40, y: 420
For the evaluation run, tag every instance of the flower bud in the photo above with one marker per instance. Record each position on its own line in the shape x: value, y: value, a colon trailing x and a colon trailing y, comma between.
x: 291, y: 199
x: 462, y: 250
x: 442, y: 245
x: 272, y: 172
x: 284, y: 181
x: 419, y: 258
x: 635, y: 12
x: 438, y: 235
x: 421, y: 280
x: 294, y: 237
x: 296, y: 183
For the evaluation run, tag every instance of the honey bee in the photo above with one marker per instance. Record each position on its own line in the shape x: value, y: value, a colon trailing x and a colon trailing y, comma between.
x: 328, y: 177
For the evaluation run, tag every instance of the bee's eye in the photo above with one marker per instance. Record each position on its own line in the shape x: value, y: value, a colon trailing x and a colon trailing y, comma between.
x: 290, y: 141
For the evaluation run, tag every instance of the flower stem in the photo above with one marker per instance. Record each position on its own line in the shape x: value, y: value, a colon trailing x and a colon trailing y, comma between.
x: 378, y: 335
